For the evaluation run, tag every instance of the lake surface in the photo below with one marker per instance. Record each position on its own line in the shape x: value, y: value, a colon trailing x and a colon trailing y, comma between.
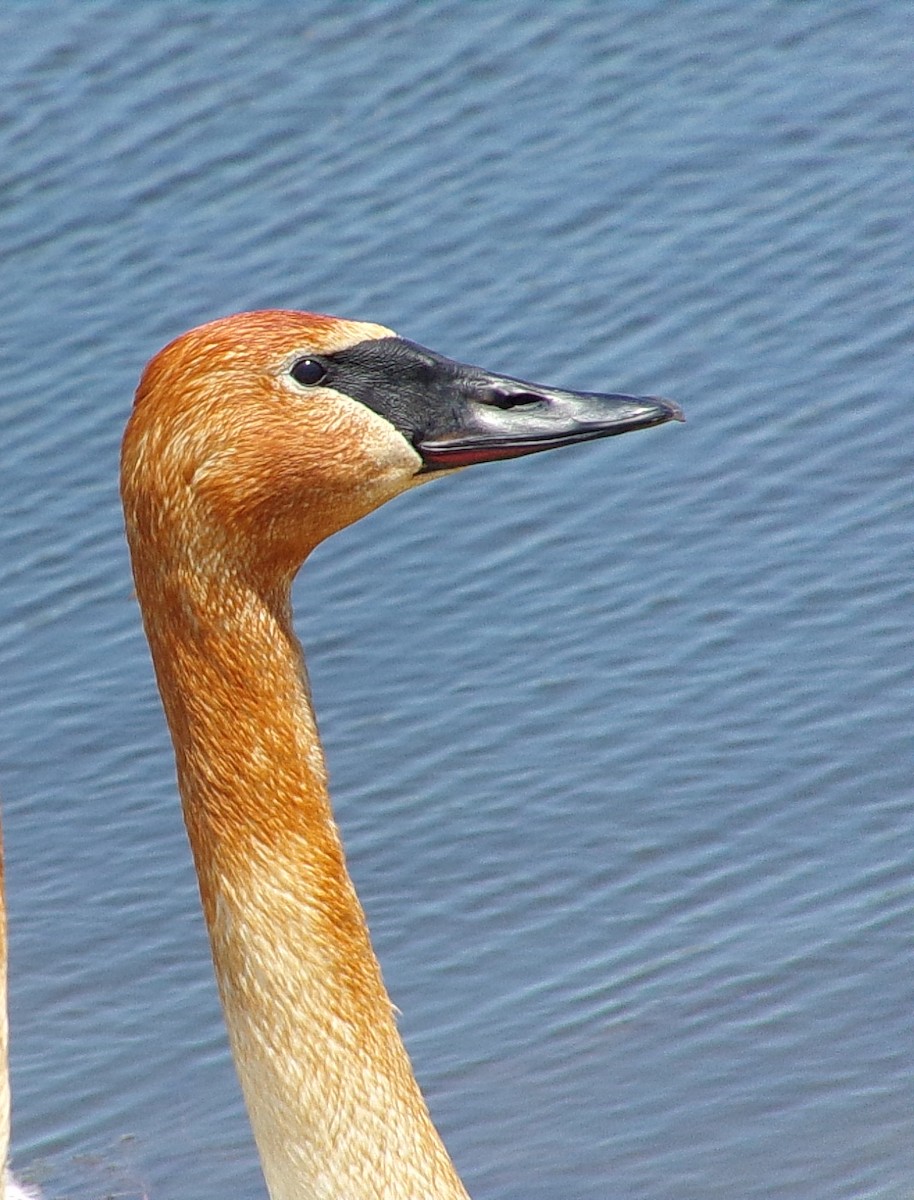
x: 620, y: 737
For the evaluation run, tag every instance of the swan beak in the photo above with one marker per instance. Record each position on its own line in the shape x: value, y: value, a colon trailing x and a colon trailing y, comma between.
x: 456, y: 415
x: 500, y: 417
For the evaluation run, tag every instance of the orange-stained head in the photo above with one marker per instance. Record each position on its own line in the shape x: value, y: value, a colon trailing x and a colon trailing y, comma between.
x: 226, y: 453
x: 255, y: 437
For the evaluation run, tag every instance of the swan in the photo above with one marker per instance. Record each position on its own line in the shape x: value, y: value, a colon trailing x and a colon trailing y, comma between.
x: 252, y: 439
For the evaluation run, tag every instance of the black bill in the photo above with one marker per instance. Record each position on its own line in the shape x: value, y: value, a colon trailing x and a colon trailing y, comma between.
x: 456, y: 415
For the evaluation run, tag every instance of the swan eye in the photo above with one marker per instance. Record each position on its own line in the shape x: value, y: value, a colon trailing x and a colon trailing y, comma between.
x: 308, y: 371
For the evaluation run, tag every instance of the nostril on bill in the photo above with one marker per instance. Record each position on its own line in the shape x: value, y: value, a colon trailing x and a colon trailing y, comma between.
x: 503, y: 399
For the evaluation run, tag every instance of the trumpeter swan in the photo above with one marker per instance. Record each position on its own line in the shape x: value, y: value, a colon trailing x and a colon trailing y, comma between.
x: 251, y: 440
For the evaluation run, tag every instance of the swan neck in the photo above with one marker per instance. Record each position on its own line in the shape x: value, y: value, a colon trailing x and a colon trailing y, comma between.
x: 334, y: 1105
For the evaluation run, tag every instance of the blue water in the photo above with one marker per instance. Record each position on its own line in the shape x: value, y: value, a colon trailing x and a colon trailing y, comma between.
x: 620, y: 737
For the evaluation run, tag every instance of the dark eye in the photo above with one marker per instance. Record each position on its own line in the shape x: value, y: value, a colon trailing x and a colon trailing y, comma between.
x: 308, y: 371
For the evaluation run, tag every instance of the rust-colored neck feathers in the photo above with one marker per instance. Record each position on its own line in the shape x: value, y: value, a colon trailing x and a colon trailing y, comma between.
x: 229, y: 479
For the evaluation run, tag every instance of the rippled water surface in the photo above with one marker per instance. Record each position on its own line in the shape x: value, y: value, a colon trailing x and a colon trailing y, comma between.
x: 621, y: 737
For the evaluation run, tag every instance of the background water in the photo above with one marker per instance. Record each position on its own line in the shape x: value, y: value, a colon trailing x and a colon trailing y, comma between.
x: 620, y: 737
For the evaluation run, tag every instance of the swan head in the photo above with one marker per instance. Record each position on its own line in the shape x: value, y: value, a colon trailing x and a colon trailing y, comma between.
x: 256, y: 436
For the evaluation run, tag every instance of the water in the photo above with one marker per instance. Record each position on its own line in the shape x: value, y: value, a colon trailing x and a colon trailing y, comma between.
x: 620, y: 737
